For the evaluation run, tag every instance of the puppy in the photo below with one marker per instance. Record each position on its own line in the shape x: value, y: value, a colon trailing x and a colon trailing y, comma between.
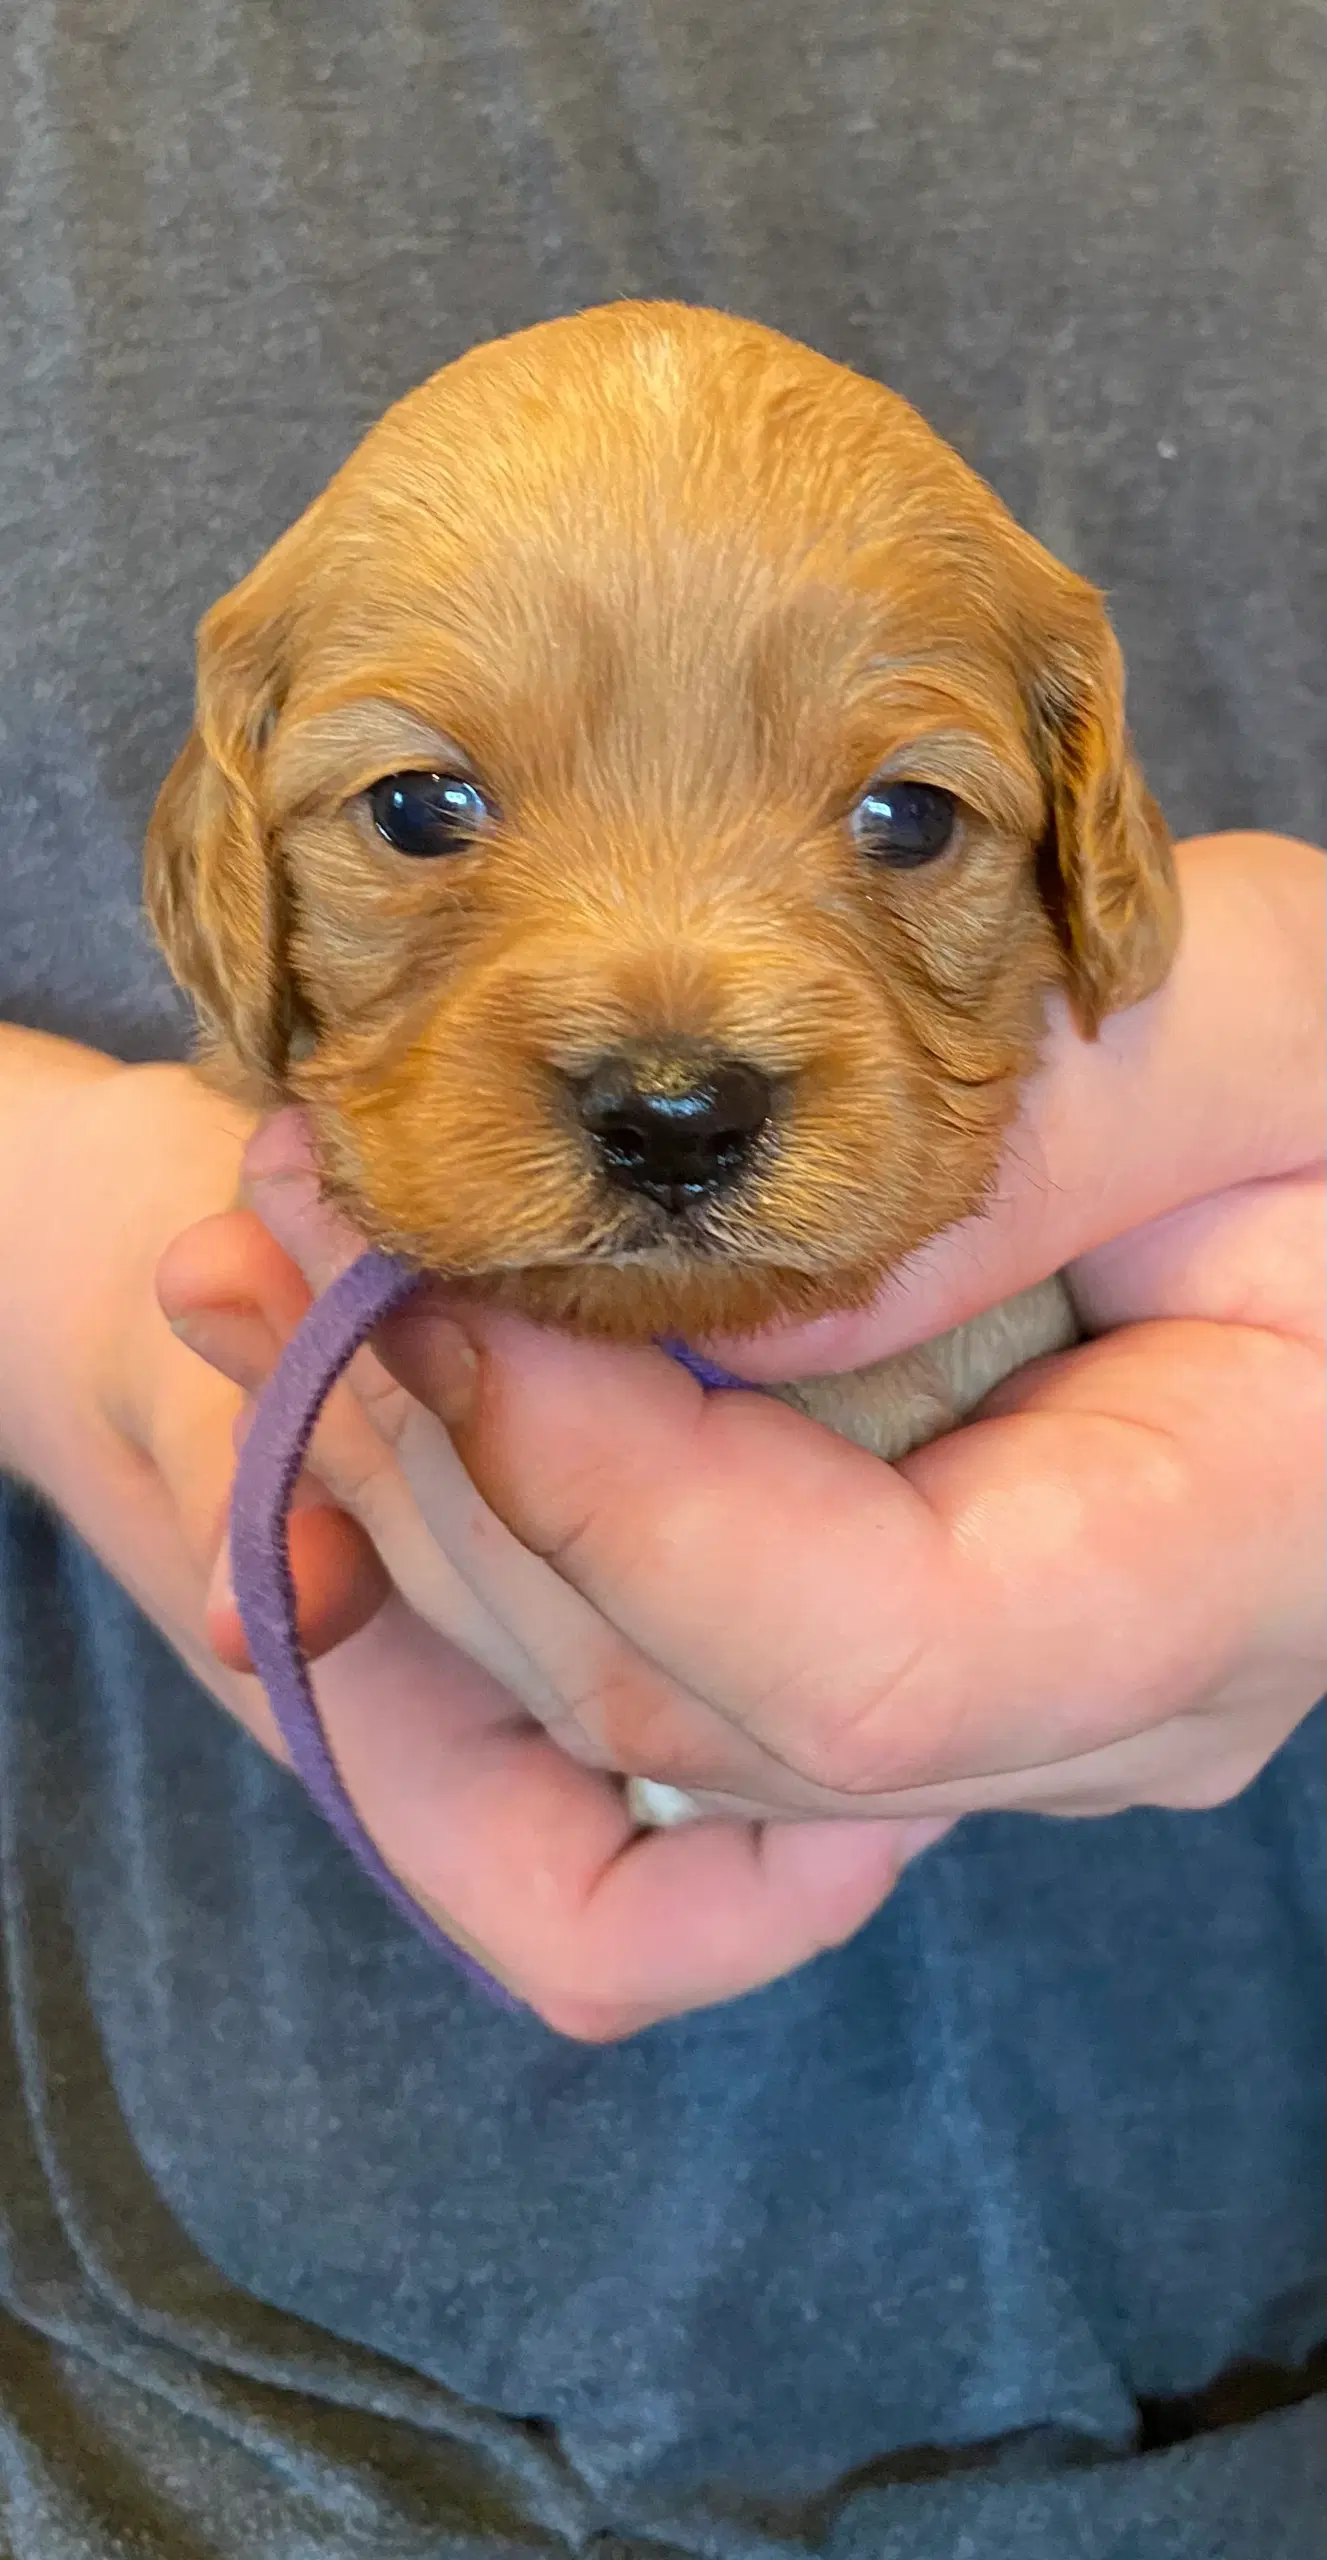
x: 641, y: 810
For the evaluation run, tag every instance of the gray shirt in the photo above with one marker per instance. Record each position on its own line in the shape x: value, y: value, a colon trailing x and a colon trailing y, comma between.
x: 940, y: 2246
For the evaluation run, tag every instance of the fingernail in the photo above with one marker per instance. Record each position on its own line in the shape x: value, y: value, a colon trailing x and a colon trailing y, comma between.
x: 271, y: 1193
x: 211, y: 1332
x: 318, y: 1238
x: 237, y: 1341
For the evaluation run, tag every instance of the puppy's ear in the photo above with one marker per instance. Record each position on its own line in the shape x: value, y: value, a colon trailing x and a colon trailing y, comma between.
x: 212, y: 881
x: 1105, y: 865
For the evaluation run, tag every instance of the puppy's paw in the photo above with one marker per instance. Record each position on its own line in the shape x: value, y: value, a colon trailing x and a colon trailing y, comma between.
x: 655, y: 1807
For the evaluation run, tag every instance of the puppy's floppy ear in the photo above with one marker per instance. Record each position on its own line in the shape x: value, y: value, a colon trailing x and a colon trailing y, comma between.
x: 212, y: 881
x: 1105, y: 865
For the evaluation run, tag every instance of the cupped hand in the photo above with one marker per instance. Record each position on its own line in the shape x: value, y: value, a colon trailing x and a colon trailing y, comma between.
x: 521, y: 1852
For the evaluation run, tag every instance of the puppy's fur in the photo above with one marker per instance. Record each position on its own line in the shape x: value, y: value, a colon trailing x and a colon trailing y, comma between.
x: 674, y: 590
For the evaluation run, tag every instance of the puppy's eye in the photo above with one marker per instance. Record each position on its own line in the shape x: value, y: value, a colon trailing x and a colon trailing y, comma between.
x: 904, y: 823
x: 427, y: 814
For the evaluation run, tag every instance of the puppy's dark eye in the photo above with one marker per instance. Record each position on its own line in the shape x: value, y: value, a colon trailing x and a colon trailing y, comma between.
x: 427, y: 814
x: 904, y: 823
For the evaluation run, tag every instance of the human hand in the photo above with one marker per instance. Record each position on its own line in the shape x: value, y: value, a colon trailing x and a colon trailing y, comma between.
x: 525, y: 1861
x: 1106, y: 1592
x: 101, y: 1408
x: 112, y: 1418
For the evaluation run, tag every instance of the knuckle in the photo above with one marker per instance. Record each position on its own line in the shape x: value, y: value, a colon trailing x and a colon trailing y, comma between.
x: 351, y: 1477
x: 1207, y: 1785
x: 385, y: 1406
x: 348, y: 1455
x: 570, y: 2011
x: 580, y: 2024
x: 866, y: 1734
x: 843, y: 1752
x: 585, y: 1523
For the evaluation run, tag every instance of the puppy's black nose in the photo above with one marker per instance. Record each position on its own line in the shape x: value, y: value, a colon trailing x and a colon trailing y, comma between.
x: 673, y: 1125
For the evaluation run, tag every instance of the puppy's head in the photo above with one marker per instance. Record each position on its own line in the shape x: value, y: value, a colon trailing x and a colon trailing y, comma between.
x: 640, y: 810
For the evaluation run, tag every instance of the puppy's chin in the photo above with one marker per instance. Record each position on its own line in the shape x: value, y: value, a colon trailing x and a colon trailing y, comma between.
x: 654, y: 1297
x: 630, y: 1279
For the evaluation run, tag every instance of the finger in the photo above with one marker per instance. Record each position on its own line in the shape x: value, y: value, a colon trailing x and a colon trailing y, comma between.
x: 276, y: 1253
x: 234, y: 1293
x: 592, y: 1687
x: 638, y: 1575
x: 1250, y: 1256
x: 340, y: 1584
x: 1191, y: 1761
x: 1227, y: 1057
x: 524, y: 1859
x: 450, y: 1557
x: 280, y: 1177
x: 1026, y: 1590
x: 207, y: 1284
x: 530, y: 1862
x: 230, y: 1260
x: 458, y: 1565
x: 281, y: 1187
x: 592, y: 1939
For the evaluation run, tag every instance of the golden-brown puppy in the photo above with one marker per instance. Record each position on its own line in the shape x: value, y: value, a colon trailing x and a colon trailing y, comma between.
x: 640, y: 810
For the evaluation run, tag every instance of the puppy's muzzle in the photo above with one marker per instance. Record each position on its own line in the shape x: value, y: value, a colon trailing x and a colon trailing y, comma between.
x: 674, y: 1125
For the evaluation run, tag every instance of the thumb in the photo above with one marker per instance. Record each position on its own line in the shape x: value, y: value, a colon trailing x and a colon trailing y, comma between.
x: 1213, y: 1081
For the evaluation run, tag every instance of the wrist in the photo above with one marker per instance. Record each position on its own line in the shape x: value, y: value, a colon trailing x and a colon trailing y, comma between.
x: 45, y: 1086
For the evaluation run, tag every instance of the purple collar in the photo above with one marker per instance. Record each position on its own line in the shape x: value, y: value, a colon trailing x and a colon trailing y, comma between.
x: 270, y: 1461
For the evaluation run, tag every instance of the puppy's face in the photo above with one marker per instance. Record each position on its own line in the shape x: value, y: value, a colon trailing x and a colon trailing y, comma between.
x: 640, y: 810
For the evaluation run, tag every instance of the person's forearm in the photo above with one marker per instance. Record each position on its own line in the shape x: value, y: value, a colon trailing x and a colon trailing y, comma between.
x: 103, y: 1409
x: 44, y: 1084
x: 100, y: 1166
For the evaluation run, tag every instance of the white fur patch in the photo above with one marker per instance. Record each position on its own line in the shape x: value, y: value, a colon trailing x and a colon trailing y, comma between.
x: 656, y: 1807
